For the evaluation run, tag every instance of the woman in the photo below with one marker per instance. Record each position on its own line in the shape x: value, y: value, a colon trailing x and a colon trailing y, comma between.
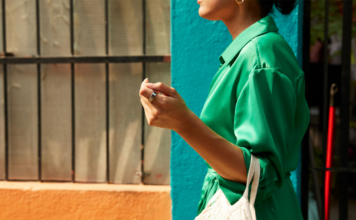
x: 256, y: 105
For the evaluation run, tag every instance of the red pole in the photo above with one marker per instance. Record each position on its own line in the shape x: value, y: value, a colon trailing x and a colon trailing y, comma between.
x: 329, y: 152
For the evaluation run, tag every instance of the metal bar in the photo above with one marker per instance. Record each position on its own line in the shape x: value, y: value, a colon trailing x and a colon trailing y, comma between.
x: 144, y: 30
x: 143, y: 77
x: 5, y: 92
x: 107, y: 27
x: 84, y: 59
x: 38, y: 28
x: 71, y: 27
x: 315, y: 178
x: 345, y: 107
x: 107, y: 91
x: 305, y: 175
x: 305, y: 142
x: 43, y: 181
x: 325, y: 91
x: 335, y: 169
x: 72, y: 86
x: 4, y: 25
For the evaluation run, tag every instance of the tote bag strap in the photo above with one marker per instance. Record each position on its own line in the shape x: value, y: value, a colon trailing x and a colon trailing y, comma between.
x: 249, y: 176
x: 255, y: 182
x: 256, y: 179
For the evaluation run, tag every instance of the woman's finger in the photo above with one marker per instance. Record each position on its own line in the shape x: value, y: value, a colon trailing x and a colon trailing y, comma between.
x: 160, y: 87
x: 145, y: 92
x: 145, y: 81
x: 151, y: 114
x: 148, y: 111
x: 147, y: 104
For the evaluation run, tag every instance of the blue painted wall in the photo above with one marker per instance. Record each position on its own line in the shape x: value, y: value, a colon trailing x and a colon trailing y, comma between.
x: 196, y: 45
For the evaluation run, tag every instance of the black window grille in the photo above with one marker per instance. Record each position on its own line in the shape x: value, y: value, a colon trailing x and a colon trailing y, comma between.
x: 9, y: 58
x: 308, y: 164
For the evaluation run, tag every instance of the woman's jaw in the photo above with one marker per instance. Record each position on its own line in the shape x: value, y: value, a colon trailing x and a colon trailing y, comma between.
x: 217, y: 9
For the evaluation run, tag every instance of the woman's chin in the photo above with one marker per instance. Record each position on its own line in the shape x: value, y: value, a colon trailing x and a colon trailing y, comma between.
x: 205, y: 14
x: 201, y: 12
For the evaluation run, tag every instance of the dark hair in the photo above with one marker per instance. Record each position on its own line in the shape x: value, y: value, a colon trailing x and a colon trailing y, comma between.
x: 284, y: 6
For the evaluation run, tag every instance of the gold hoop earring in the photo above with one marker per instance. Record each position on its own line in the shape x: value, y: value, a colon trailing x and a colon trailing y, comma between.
x: 240, y: 2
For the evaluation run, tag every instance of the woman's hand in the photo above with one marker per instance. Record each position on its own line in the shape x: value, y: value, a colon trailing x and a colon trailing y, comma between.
x: 167, y: 110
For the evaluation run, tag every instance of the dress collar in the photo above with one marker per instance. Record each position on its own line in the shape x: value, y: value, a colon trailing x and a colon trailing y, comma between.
x: 264, y: 25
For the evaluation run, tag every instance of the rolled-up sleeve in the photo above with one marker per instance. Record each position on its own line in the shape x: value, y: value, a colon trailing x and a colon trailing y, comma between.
x: 264, y: 126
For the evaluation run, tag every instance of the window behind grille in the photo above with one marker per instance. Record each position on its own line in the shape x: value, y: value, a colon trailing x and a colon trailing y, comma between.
x: 72, y: 71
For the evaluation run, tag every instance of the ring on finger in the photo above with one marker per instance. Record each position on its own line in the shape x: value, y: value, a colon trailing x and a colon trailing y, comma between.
x: 153, y: 95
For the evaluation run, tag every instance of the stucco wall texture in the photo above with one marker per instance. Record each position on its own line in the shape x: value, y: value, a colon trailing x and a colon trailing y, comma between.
x: 196, y: 45
x: 62, y: 201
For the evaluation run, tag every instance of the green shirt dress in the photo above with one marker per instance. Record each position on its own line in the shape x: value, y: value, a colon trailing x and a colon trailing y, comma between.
x: 257, y: 102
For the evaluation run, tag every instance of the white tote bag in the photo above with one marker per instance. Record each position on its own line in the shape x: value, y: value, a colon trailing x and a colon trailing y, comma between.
x: 219, y: 207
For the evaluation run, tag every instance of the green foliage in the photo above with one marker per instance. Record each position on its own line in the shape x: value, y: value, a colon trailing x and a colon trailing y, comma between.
x: 335, y: 19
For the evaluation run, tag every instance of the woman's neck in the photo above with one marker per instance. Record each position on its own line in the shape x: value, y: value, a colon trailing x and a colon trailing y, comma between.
x: 240, y: 21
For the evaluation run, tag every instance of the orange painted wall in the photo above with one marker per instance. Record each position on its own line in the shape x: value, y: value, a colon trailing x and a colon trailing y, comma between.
x: 47, y: 201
